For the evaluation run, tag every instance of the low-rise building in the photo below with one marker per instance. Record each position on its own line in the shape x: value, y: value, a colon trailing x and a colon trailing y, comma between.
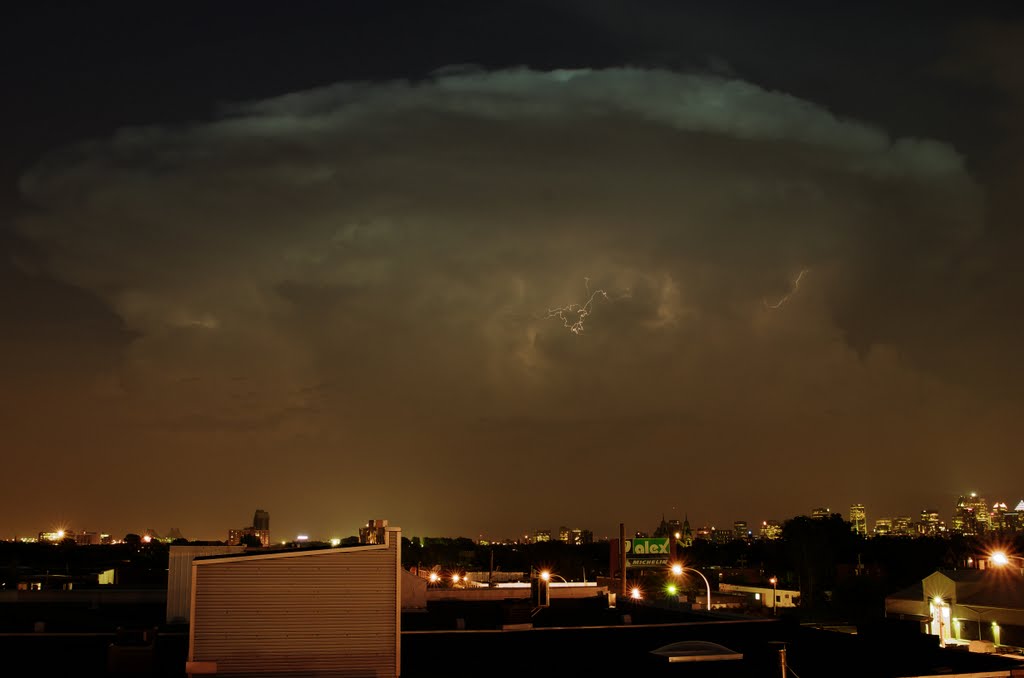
x: 299, y: 612
x: 961, y: 606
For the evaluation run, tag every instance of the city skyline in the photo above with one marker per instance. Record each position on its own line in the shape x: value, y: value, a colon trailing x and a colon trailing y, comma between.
x: 949, y: 525
x: 477, y: 268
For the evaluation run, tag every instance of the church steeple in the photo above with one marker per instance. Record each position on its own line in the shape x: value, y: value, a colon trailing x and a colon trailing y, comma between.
x: 687, y: 539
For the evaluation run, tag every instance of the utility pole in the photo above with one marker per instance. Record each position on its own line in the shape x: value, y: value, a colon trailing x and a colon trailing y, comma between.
x: 781, y: 647
x: 622, y: 559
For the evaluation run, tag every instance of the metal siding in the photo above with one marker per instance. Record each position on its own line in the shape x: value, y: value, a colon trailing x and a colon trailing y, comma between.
x: 179, y: 576
x: 325, y: 611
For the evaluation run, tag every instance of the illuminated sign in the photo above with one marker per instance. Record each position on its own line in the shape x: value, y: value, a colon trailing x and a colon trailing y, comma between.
x: 647, y: 552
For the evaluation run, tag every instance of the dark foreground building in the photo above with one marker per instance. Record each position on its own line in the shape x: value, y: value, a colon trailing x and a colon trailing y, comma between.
x: 341, y: 612
x: 620, y: 649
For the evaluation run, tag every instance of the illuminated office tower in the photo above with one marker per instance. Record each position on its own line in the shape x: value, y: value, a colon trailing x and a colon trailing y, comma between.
x: 971, y: 517
x: 997, y: 516
x: 859, y: 520
x: 770, y: 529
x: 742, y: 532
x: 902, y: 526
x: 929, y: 525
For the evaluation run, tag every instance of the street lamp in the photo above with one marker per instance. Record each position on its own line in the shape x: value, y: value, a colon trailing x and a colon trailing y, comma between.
x: 1002, y: 558
x: 774, y: 581
x: 546, y: 575
x: 678, y: 569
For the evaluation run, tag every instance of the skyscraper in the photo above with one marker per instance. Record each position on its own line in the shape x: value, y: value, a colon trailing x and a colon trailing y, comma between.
x: 883, y: 527
x: 902, y: 525
x: 261, y: 520
x: 930, y: 524
x: 742, y: 532
x: 998, y: 515
x: 859, y: 520
x: 971, y: 515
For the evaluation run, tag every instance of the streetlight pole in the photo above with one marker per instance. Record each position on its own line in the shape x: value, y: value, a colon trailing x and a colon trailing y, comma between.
x: 546, y: 575
x: 678, y: 569
x: 775, y: 598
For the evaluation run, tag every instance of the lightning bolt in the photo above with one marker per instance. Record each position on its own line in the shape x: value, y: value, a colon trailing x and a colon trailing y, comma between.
x: 574, y: 315
x: 792, y: 291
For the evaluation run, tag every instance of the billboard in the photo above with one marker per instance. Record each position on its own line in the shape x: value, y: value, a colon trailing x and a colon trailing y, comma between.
x: 647, y: 552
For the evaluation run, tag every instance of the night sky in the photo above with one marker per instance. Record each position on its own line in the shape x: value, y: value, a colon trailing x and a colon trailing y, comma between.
x: 310, y: 258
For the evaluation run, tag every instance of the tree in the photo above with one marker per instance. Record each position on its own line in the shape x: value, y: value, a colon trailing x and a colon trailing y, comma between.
x: 814, y: 547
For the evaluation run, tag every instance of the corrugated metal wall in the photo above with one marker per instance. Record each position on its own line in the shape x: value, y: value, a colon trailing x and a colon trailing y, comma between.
x: 179, y: 576
x: 330, y: 611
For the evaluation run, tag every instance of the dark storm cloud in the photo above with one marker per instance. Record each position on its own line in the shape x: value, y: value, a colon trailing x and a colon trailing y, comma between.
x: 52, y: 329
x: 407, y: 242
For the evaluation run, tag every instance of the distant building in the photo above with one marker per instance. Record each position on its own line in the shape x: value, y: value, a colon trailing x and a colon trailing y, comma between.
x: 374, y: 533
x: 668, y: 528
x: 770, y: 529
x: 578, y: 537
x: 260, y: 529
x: 80, y: 538
x: 997, y: 516
x: 563, y: 534
x: 741, y: 531
x: 541, y: 535
x: 1014, y: 521
x: 859, y: 520
x: 902, y: 526
x: 88, y: 538
x: 821, y: 512
x: 971, y: 516
x: 261, y: 520
x: 686, y: 534
x: 930, y: 523
x: 722, y: 536
x: 235, y: 537
x: 883, y: 527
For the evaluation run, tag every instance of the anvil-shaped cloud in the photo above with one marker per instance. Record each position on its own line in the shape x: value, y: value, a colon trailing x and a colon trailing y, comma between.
x: 380, y: 250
